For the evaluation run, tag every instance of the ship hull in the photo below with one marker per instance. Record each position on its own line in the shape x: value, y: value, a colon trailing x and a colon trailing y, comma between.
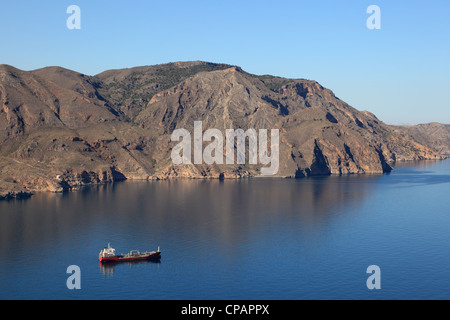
x: 149, y: 256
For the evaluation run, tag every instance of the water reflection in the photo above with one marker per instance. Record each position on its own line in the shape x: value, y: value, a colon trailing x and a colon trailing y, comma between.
x: 225, y: 211
x: 108, y: 269
x: 420, y: 173
x: 210, y: 209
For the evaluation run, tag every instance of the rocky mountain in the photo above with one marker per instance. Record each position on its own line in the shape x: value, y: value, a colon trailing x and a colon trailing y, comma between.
x: 435, y: 135
x: 60, y: 129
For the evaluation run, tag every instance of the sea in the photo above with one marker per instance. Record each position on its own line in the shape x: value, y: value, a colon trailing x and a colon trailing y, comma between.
x: 335, y: 237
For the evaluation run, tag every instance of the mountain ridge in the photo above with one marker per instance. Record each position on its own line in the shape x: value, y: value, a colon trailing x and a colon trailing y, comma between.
x: 62, y: 129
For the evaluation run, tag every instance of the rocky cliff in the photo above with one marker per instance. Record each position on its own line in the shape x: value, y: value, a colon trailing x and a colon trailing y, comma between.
x: 60, y: 129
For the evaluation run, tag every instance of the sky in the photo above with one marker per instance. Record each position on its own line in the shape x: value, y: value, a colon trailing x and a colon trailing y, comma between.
x: 399, y: 72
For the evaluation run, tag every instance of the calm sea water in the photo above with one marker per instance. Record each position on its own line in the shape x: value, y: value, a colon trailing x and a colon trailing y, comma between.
x: 259, y: 238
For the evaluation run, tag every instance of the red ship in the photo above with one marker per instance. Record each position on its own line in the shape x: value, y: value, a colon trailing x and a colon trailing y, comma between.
x: 108, y: 254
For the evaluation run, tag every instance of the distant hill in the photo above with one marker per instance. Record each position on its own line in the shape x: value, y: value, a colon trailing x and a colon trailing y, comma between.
x: 60, y: 129
x: 434, y: 135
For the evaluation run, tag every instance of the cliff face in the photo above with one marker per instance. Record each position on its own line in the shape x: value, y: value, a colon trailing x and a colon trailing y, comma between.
x: 60, y: 129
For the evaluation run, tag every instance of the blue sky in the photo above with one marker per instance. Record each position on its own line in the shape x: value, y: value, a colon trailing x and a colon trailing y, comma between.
x: 400, y: 72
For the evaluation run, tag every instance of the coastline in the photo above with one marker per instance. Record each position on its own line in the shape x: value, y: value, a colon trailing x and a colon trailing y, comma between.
x: 14, y: 191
